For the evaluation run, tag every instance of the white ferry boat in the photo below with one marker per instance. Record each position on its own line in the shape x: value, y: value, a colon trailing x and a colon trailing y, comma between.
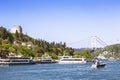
x: 16, y: 61
x: 70, y: 60
x: 47, y: 59
x: 44, y: 60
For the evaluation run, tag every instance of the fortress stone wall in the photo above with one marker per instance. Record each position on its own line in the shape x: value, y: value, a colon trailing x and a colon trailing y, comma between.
x: 16, y: 27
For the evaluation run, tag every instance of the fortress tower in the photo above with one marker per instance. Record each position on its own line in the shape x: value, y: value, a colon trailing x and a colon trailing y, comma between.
x: 16, y: 27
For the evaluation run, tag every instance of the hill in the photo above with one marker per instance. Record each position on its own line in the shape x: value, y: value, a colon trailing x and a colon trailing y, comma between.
x: 109, y: 51
x: 17, y: 43
x: 23, y: 44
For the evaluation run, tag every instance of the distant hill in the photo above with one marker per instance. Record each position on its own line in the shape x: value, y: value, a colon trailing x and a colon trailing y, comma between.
x: 110, y: 51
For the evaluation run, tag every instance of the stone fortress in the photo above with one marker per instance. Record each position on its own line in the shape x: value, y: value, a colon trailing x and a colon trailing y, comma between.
x: 17, y: 28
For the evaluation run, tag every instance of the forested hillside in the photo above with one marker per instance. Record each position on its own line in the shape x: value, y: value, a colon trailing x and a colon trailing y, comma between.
x: 23, y: 44
x: 18, y: 43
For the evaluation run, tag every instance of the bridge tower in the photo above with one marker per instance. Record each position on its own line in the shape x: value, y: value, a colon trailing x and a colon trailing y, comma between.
x: 93, y: 42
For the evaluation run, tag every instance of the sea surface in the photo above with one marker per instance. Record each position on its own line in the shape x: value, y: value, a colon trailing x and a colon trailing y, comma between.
x: 61, y: 72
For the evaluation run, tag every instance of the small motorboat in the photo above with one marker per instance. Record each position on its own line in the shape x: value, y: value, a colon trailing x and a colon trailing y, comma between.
x: 97, y: 63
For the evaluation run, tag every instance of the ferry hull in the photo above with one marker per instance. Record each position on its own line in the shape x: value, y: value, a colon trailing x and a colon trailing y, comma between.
x: 47, y: 62
x: 72, y: 62
x: 8, y: 63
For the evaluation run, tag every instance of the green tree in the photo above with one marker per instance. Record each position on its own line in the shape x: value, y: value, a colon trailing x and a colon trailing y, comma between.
x: 25, y: 51
x: 66, y: 52
x: 77, y: 54
x: 17, y: 35
x: 86, y: 53
x: 11, y: 49
x: 4, y: 34
x: 21, y: 37
x: 54, y: 56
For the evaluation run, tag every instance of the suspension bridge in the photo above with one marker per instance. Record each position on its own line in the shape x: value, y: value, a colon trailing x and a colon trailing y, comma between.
x: 92, y: 42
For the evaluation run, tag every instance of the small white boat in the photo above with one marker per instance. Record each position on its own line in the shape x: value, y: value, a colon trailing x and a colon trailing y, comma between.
x: 70, y: 60
x: 97, y: 64
x: 112, y: 59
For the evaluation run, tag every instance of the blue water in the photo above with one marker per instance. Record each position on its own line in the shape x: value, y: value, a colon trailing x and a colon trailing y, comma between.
x: 61, y: 72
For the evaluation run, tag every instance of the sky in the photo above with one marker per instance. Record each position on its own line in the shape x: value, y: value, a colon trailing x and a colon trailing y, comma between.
x: 70, y: 21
